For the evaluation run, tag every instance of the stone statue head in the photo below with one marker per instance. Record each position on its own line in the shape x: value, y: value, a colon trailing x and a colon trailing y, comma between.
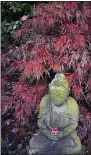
x: 59, y: 89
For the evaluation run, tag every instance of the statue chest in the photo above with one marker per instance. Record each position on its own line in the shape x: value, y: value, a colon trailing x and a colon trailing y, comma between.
x: 57, y: 116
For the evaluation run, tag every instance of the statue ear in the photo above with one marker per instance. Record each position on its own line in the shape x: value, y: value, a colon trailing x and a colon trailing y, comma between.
x: 68, y: 91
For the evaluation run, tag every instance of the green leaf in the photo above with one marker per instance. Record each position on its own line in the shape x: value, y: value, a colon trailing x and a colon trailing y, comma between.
x: 8, y: 121
x: 14, y: 10
x: 19, y: 146
x: 19, y: 9
x: 17, y: 22
x: 7, y: 24
x: 14, y: 27
x: 9, y: 28
x: 15, y: 130
x: 11, y: 8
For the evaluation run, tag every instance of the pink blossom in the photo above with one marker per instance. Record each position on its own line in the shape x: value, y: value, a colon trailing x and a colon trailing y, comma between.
x: 24, y: 18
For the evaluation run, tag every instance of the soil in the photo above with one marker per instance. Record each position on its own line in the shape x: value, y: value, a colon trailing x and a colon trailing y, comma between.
x: 15, y: 138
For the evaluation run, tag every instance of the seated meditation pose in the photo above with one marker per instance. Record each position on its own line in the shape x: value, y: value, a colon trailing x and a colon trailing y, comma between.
x: 57, y: 121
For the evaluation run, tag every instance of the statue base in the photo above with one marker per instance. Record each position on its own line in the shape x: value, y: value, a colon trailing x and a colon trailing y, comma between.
x: 40, y: 144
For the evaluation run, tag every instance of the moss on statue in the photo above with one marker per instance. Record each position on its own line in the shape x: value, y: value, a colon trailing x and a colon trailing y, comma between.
x: 59, y: 89
x: 43, y: 106
x: 73, y: 109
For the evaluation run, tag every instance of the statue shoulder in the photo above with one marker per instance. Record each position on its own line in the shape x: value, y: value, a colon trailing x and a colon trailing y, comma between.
x: 73, y: 108
x: 44, y: 100
x: 72, y: 102
x: 43, y: 106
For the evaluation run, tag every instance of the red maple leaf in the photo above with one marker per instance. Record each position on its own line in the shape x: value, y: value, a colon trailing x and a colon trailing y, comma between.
x: 88, y: 96
x: 18, y: 64
x: 77, y: 90
x: 80, y: 41
x: 37, y: 69
x: 84, y: 25
x: 26, y: 97
x: 86, y: 116
x: 18, y: 33
x: 39, y: 9
x: 28, y: 69
x: 89, y: 82
x: 3, y: 81
x: 19, y: 87
x: 82, y: 108
x: 72, y: 28
x: 55, y: 67
x: 59, y: 44
x: 74, y: 6
x: 87, y: 11
x: 69, y: 78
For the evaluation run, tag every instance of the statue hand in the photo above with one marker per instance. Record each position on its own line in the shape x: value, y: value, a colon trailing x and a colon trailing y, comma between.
x: 54, y: 134
x: 53, y: 137
x: 60, y: 135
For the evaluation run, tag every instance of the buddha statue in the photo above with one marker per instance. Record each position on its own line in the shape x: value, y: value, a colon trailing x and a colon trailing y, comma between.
x: 57, y: 121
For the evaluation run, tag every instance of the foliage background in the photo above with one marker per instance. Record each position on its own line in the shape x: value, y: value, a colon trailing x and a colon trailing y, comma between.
x: 55, y: 37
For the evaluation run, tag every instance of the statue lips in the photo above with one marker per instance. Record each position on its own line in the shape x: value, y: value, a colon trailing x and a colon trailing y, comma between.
x: 54, y: 131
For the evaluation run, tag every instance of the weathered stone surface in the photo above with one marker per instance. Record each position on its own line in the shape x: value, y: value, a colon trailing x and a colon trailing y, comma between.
x: 57, y: 120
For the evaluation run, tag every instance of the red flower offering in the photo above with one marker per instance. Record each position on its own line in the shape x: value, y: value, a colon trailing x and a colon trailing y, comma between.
x: 55, y: 131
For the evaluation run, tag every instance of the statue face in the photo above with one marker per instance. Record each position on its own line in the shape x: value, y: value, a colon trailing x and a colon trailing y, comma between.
x: 59, y: 89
